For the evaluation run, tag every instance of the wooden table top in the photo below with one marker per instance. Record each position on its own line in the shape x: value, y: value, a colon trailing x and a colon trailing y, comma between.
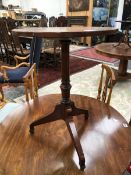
x: 105, y: 138
x: 64, y: 32
x: 123, y: 51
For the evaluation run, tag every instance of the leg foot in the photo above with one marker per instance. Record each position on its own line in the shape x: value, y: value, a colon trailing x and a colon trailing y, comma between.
x: 82, y: 164
x: 73, y: 133
x: 31, y: 129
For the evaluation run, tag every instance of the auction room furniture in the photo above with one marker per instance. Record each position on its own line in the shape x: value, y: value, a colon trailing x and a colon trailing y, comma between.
x: 11, y: 44
x: 127, y: 27
x: 107, y: 81
x: 33, y: 15
x: 105, y: 140
x: 28, y: 22
x: 21, y: 73
x: 121, y: 52
x: 66, y: 109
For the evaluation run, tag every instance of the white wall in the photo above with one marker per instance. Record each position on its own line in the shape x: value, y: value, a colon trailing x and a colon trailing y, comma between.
x: 49, y: 7
x: 52, y: 7
x: 120, y: 12
x: 13, y: 2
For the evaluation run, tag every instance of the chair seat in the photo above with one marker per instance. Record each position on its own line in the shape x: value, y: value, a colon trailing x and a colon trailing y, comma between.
x: 15, y: 76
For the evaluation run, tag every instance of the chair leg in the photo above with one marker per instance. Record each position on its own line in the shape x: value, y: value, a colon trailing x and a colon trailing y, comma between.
x: 35, y: 83
x: 130, y: 122
x: 26, y: 91
x: 2, y: 93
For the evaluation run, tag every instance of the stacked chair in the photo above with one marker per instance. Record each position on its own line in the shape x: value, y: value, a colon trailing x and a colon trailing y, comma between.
x: 52, y: 48
x: 24, y: 71
x: 10, y: 43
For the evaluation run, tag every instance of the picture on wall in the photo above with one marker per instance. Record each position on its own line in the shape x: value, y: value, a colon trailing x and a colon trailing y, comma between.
x: 113, y: 8
x: 101, y: 3
x: 127, y: 10
x: 78, y: 5
x: 113, y: 12
x: 126, y: 14
x: 100, y: 11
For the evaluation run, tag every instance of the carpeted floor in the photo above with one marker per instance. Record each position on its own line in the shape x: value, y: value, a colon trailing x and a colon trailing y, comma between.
x: 50, y: 74
x: 90, y: 53
x: 86, y: 83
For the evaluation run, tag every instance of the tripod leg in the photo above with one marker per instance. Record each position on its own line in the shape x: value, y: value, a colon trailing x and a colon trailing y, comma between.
x: 73, y: 133
x: 56, y: 115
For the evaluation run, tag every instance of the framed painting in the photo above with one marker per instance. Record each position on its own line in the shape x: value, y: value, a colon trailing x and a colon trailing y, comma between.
x: 78, y: 5
x: 127, y: 10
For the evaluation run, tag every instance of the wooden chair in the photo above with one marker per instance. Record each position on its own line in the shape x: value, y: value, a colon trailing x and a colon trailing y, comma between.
x: 105, y: 89
x: 43, y: 21
x: 52, y: 21
x: 62, y: 21
x: 52, y: 47
x: 11, y: 42
x: 21, y: 73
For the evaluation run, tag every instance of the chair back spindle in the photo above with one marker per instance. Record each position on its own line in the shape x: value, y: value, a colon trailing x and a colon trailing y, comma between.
x: 106, y: 84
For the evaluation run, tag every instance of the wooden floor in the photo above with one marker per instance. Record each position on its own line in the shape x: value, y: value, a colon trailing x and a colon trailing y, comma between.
x: 105, y: 142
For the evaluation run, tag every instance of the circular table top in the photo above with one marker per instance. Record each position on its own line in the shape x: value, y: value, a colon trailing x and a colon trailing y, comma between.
x: 64, y: 32
x: 105, y: 139
x: 123, y: 51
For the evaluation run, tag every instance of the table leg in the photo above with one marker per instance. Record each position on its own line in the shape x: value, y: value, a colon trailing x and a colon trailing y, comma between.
x: 122, y: 71
x: 66, y: 109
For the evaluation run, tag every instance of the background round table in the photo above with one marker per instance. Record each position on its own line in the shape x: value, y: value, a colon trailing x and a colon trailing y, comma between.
x: 121, y: 52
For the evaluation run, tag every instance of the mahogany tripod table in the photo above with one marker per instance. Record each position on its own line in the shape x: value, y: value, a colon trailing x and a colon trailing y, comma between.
x: 121, y: 52
x: 66, y: 109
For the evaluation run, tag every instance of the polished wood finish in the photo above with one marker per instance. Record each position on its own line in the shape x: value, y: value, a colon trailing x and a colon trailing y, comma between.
x: 66, y: 109
x: 106, y: 142
x: 64, y: 32
x: 106, y: 84
x: 121, y: 52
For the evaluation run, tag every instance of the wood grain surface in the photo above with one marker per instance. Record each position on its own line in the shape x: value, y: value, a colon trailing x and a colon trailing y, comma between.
x: 105, y: 139
x: 64, y: 32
